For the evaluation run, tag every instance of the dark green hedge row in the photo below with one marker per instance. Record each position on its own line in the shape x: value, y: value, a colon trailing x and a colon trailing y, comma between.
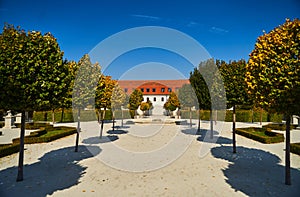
x: 69, y: 116
x: 33, y: 125
x: 8, y: 149
x: 32, y: 139
x: 281, y: 126
x: 295, y: 148
x: 1, y: 124
x: 241, y: 116
x: 36, y: 137
x: 261, y: 135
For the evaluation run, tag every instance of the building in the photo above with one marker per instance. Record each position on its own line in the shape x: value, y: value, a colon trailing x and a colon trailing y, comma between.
x: 156, y: 91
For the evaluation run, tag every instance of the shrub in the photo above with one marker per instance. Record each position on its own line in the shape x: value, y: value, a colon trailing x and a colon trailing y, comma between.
x: 8, y: 149
x: 295, y: 148
x: 50, y: 135
x: 1, y: 124
x: 33, y: 125
x: 280, y: 126
x: 261, y: 135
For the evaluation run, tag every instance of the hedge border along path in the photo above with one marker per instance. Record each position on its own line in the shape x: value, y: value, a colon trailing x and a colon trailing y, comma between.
x: 261, y: 135
x: 295, y: 148
x: 41, y: 136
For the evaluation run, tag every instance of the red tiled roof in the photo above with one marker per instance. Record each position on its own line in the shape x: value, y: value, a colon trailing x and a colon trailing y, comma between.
x: 130, y: 85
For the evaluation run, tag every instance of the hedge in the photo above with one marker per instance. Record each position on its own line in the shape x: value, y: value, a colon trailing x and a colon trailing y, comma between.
x: 295, y: 148
x: 8, y: 149
x: 280, y: 127
x: 241, y: 115
x: 34, y: 125
x: 262, y: 135
x: 88, y: 115
x: 1, y: 124
x: 41, y: 136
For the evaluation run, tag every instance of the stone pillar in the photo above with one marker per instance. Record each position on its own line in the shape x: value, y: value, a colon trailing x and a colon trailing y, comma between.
x: 18, y: 118
x: 9, y: 120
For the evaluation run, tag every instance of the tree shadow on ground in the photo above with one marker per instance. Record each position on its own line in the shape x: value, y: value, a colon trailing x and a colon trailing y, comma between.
x: 55, y: 170
x: 97, y: 140
x: 122, y: 127
x: 194, y: 131
x: 117, y: 132
x: 205, y: 137
x: 256, y: 172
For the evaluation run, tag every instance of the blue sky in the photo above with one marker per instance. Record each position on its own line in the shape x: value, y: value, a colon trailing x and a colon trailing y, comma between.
x: 227, y: 29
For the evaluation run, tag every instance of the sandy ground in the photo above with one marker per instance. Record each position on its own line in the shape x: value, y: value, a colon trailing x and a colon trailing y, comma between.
x: 152, y: 160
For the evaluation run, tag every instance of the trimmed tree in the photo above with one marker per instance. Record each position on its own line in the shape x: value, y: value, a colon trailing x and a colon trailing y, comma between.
x: 188, y: 98
x: 118, y: 100
x: 144, y: 107
x: 31, y: 74
x: 202, y: 93
x: 172, y: 103
x: 273, y: 75
x: 87, y: 76
x: 234, y: 81
x: 103, y: 98
x: 135, y: 100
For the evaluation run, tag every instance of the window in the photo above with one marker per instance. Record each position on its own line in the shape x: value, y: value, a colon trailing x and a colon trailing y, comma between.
x: 143, y: 99
x: 147, y: 99
x: 148, y: 90
x: 169, y: 89
x: 125, y: 89
x: 154, y: 99
x: 162, y: 89
x: 162, y: 99
x: 142, y: 89
x: 153, y: 90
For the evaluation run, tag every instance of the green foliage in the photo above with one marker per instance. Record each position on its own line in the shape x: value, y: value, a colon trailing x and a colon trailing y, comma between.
x: 118, y: 97
x: 85, y: 84
x: 135, y: 99
x: 233, y: 75
x: 33, y: 125
x: 214, y: 82
x: 273, y: 72
x: 202, y: 92
x: 31, y: 70
x: 241, y: 115
x: 280, y: 127
x: 261, y: 135
x: 8, y: 149
x: 172, y: 102
x: 88, y: 115
x: 48, y: 136
x: 187, y: 96
x: 132, y: 113
x: 295, y: 148
x: 104, y: 93
x: 144, y: 106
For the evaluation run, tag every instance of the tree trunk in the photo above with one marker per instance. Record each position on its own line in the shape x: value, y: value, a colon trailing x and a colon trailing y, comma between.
x: 260, y: 116
x: 53, y: 117
x: 62, y: 114
x: 199, y: 121
x: 21, y: 153
x: 122, y: 117
x: 211, y: 125
x: 233, y: 129
x: 102, y: 123
x: 216, y: 116
x: 190, y: 117
x: 113, y: 119
x: 78, y: 130
x: 287, y: 152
